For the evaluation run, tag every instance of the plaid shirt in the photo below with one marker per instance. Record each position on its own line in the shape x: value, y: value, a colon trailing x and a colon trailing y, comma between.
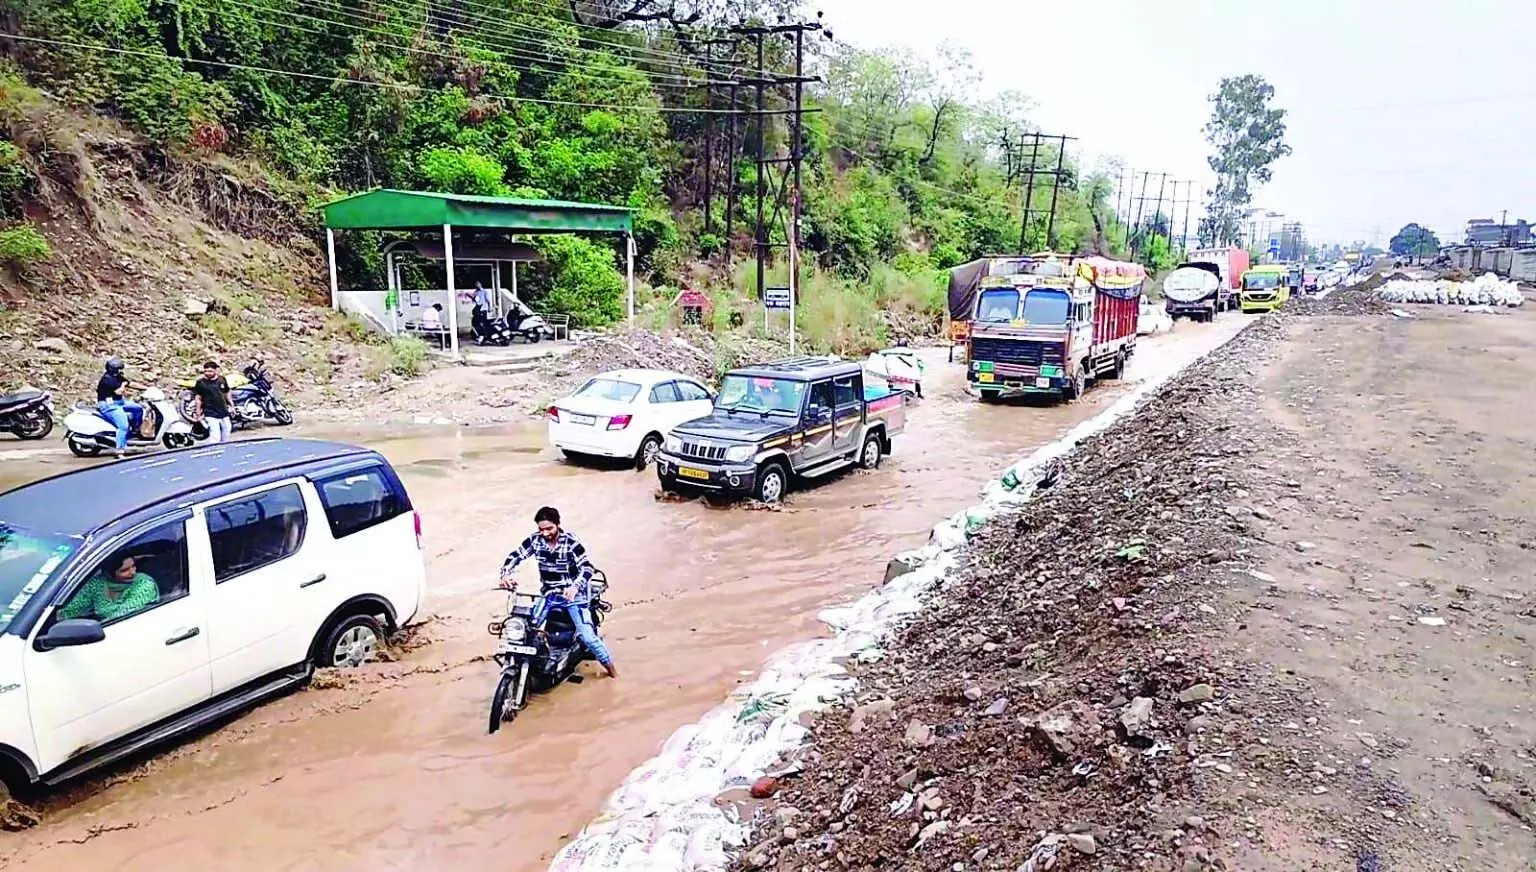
x: 560, y: 562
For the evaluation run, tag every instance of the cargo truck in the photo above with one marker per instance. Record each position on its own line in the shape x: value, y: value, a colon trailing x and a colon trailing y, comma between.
x: 1195, y: 291
x: 1054, y: 326
x: 1230, y: 262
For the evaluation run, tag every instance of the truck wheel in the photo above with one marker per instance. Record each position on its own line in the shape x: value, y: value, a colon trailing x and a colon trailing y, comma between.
x: 1117, y: 372
x: 1075, y: 386
x: 772, y: 482
x: 869, y: 455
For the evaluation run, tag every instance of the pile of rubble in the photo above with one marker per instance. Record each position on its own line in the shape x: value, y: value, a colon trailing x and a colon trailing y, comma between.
x: 635, y: 349
x: 1062, y: 702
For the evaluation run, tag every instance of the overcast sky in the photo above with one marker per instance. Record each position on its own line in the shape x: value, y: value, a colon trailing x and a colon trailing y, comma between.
x: 1408, y: 110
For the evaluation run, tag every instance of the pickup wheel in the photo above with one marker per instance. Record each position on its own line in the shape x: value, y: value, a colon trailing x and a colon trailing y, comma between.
x: 772, y: 482
x: 871, y: 452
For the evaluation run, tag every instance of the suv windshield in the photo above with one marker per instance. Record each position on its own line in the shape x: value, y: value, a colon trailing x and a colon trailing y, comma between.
x: 27, y: 560
x: 609, y: 389
x: 1046, y: 307
x: 1261, y: 280
x: 759, y: 394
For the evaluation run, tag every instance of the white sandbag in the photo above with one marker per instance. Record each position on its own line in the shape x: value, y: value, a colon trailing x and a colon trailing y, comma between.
x: 1485, y: 290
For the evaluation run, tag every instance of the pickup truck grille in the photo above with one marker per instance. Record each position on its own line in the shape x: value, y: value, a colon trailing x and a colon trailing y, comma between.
x: 1024, y: 352
x: 703, y: 451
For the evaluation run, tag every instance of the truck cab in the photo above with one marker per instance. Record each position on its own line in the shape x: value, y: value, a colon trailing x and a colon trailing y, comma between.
x: 777, y: 422
x: 1265, y: 288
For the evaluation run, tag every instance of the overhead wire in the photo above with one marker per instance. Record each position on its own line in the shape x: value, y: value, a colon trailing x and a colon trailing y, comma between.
x: 347, y: 80
x: 515, y: 53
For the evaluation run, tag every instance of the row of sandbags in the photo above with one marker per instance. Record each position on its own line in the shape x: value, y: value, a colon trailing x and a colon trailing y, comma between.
x: 1485, y: 290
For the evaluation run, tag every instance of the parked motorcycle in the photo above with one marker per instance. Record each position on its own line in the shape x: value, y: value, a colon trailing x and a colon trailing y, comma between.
x: 28, y: 413
x: 255, y: 402
x: 535, y: 655
x: 88, y: 433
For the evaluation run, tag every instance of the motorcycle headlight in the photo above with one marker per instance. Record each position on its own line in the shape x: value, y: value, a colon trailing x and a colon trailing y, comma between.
x: 515, y: 629
x: 673, y: 445
x: 740, y: 453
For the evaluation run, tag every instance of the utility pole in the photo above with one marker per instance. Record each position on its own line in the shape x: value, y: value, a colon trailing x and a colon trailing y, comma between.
x: 709, y: 131
x: 1050, y: 225
x: 1157, y: 213
x: 1029, y: 194
x: 1141, y: 202
x: 1119, y: 192
x: 730, y: 176
x: 1189, y: 200
x: 759, y: 232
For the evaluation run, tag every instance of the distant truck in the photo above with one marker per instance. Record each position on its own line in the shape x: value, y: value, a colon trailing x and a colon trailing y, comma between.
x: 1265, y: 287
x: 1230, y: 262
x: 1196, y: 291
x: 1053, y: 325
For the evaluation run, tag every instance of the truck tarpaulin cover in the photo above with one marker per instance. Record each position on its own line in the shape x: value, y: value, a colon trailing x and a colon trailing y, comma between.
x: 965, y: 281
x: 1116, y: 278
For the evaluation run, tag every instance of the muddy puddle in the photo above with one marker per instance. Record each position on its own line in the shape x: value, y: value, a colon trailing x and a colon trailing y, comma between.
x: 392, y: 769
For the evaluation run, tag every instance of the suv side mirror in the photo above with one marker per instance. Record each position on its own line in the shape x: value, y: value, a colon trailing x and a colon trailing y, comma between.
x: 71, y: 633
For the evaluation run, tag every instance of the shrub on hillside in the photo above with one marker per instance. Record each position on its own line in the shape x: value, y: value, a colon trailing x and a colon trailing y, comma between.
x: 583, y: 281
x: 462, y: 171
x: 22, y: 244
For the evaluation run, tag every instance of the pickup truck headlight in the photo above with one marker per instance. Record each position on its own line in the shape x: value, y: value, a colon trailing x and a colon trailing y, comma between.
x: 673, y: 445
x: 740, y: 453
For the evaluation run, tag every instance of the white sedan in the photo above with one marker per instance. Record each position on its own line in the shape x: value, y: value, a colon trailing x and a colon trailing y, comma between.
x: 626, y: 413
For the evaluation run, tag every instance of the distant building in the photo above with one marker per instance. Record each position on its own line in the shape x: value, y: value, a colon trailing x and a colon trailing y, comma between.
x: 1485, y: 231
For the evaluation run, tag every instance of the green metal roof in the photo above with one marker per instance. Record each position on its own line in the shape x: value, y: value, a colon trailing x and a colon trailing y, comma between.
x: 385, y: 209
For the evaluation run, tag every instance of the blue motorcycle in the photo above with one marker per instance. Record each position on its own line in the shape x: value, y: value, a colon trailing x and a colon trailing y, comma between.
x: 538, y: 647
x: 255, y: 400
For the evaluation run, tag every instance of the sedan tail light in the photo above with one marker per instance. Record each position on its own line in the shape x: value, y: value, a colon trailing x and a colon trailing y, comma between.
x: 619, y: 422
x: 554, y: 413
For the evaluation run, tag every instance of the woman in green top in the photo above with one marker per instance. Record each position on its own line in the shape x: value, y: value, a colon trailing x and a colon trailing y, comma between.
x: 103, y: 598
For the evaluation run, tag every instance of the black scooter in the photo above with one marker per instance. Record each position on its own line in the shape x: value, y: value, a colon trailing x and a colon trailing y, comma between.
x: 28, y: 413
x: 536, y: 655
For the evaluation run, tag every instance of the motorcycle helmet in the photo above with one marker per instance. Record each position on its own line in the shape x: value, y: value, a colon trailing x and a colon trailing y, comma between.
x: 114, y: 365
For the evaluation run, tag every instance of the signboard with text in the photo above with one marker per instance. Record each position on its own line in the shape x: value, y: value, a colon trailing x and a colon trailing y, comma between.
x: 776, y: 299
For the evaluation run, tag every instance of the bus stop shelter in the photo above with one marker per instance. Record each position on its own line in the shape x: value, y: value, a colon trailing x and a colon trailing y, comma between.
x: 425, y: 212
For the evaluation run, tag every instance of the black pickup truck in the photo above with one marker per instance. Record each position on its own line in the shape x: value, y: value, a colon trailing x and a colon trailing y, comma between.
x: 804, y: 417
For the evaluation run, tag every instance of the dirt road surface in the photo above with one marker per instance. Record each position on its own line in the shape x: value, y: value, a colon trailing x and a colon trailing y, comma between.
x: 390, y: 767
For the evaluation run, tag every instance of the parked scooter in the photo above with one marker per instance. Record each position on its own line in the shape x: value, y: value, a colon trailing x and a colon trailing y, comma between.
x: 524, y: 322
x: 255, y: 402
x: 28, y: 413
x: 88, y: 433
x: 536, y: 655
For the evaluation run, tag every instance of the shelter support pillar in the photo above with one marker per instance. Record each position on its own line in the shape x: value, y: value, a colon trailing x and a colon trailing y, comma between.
x: 453, y: 292
x: 629, y: 274
x: 330, y: 256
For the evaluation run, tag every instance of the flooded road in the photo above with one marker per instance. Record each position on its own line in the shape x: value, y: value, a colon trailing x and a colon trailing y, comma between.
x: 391, y: 768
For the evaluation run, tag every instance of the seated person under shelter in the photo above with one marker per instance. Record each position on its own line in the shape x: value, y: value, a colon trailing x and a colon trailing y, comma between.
x: 104, y: 597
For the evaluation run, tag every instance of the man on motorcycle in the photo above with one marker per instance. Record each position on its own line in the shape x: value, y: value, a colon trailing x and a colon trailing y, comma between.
x: 110, y: 402
x: 566, y: 572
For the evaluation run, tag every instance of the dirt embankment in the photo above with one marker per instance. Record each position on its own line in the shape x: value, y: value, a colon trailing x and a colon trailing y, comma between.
x: 1197, y: 649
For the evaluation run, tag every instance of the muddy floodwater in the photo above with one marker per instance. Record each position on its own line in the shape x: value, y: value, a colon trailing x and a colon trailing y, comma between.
x: 391, y: 768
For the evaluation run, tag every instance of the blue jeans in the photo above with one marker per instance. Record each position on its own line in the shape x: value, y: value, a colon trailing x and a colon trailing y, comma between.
x: 581, y: 618
x: 124, y: 414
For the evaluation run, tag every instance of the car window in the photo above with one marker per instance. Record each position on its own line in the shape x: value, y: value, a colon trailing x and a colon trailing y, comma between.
x: 690, y: 391
x: 358, y: 500
x: 149, y: 570
x: 255, y: 532
x: 821, y: 394
x: 845, y: 392
x: 666, y: 392
x: 28, y: 559
x: 609, y: 389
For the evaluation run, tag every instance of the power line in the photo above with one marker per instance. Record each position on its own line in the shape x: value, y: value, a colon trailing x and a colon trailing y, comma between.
x: 396, y: 86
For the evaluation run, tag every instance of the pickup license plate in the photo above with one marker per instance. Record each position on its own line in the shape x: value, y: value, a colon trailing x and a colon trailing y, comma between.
x: 985, y: 377
x: 690, y: 472
x: 520, y: 649
x: 1042, y: 382
x: 589, y: 420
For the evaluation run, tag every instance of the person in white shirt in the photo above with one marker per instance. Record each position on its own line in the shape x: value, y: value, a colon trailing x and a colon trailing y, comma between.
x: 432, y: 319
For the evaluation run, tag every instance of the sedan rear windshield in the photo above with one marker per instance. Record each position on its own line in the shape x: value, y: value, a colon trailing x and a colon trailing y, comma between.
x: 27, y: 561
x: 609, y: 389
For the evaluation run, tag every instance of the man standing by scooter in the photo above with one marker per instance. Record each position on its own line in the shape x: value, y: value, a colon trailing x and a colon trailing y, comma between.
x: 213, y: 402
x: 125, y: 414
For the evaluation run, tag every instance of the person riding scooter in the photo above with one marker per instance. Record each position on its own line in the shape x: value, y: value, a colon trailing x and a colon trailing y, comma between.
x: 566, y: 574
x: 125, y: 414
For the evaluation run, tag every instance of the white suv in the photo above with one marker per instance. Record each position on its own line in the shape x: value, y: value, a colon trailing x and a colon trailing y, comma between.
x: 145, y: 598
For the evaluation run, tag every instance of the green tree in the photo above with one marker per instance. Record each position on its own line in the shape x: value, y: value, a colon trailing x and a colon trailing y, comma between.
x: 1414, y: 240
x: 1247, y: 134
